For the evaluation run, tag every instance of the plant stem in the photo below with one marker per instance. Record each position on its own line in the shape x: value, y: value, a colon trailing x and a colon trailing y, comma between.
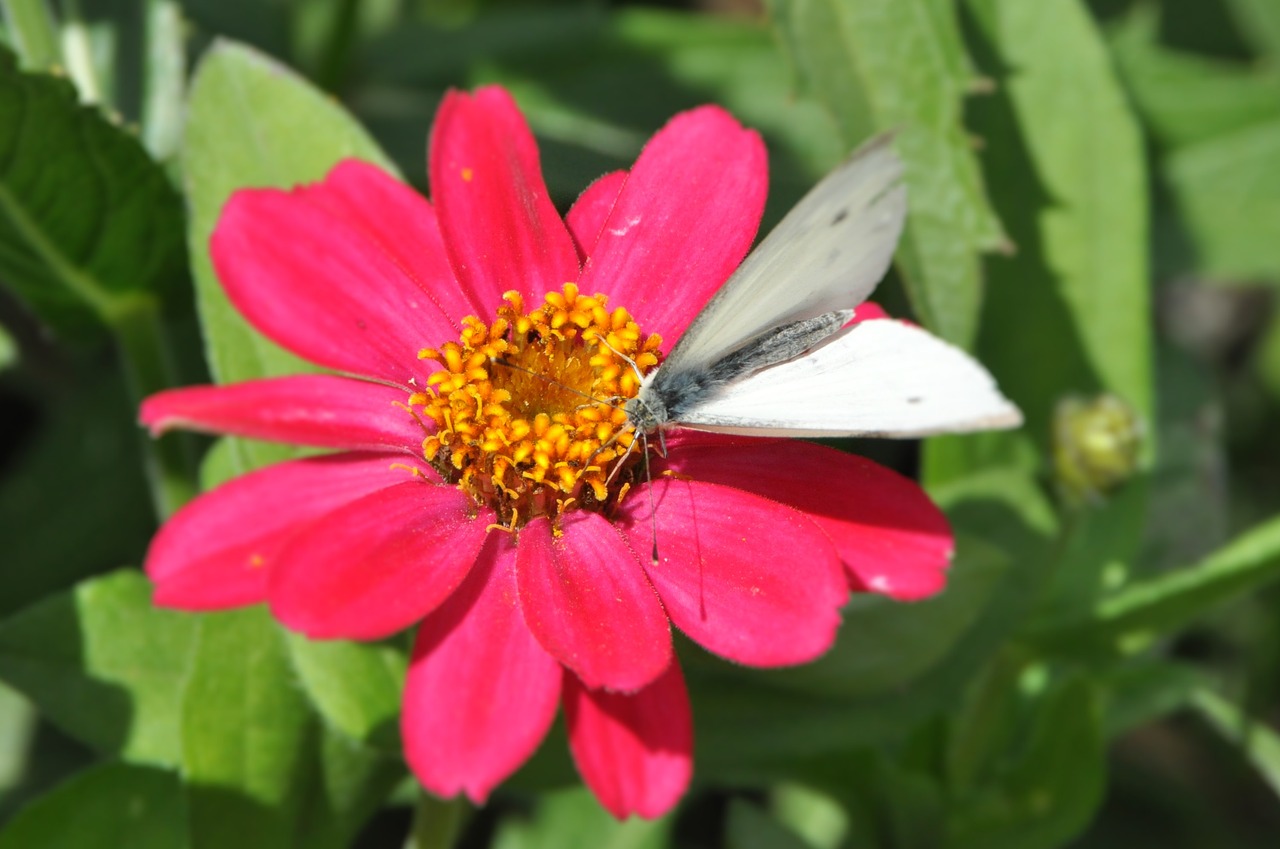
x: 436, y: 822
x: 149, y: 368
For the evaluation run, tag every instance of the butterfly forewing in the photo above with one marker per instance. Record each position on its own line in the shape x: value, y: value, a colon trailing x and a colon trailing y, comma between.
x: 827, y: 254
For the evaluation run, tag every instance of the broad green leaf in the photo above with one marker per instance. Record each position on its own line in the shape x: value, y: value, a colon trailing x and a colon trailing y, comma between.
x: 1257, y: 741
x: 247, y: 735
x: 1070, y: 312
x: 748, y: 827
x: 90, y: 228
x: 1133, y: 617
x: 253, y: 123
x: 348, y: 785
x: 1227, y: 190
x: 573, y: 819
x: 109, y: 805
x: 105, y: 665
x: 901, y: 65
x: 355, y: 686
x: 256, y: 761
x: 1186, y: 97
x: 1050, y: 791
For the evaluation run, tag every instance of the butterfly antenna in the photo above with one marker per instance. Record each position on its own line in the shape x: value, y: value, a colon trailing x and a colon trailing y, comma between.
x: 653, y: 507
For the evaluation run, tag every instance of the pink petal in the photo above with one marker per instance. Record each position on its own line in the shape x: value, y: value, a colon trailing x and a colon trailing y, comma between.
x: 682, y: 222
x: 218, y: 551
x: 500, y: 226
x: 481, y: 693
x: 749, y: 579
x: 892, y: 538
x: 321, y: 410
x: 634, y: 751
x: 589, y: 212
x: 868, y: 311
x: 379, y: 564
x: 405, y: 228
x: 349, y: 273
x: 586, y: 599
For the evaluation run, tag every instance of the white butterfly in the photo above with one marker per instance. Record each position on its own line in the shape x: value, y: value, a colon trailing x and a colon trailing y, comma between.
x: 769, y: 355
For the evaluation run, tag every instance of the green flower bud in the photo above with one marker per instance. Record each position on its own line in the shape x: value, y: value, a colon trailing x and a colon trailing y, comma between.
x: 1096, y: 445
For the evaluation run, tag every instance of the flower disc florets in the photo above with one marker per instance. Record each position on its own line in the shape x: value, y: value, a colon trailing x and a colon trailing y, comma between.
x: 528, y: 409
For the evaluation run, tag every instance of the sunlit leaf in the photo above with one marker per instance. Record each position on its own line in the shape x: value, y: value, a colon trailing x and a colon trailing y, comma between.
x: 246, y: 731
x: 901, y: 65
x: 105, y: 665
x: 252, y: 123
x: 1131, y: 618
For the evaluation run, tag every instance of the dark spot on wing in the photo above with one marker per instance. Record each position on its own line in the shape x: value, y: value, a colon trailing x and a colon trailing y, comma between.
x: 840, y: 216
x: 914, y: 400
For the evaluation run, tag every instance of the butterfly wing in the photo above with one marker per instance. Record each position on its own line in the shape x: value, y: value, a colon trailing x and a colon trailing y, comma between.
x: 827, y: 254
x: 877, y: 378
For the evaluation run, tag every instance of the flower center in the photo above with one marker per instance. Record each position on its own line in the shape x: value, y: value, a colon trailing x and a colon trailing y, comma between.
x: 528, y: 409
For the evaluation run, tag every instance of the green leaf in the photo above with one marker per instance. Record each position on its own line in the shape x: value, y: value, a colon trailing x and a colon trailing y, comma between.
x: 1068, y: 177
x: 1258, y: 742
x: 108, y: 805
x: 748, y: 827
x: 34, y: 28
x: 1228, y: 192
x: 246, y: 735
x: 1133, y: 617
x: 752, y: 723
x: 253, y: 122
x: 573, y: 819
x: 1142, y: 690
x: 1051, y: 791
x: 348, y: 785
x: 17, y: 728
x: 355, y: 686
x: 816, y: 817
x: 104, y: 665
x: 883, y: 644
x: 8, y: 349
x: 1186, y: 97
x: 901, y: 65
x: 90, y: 228
x: 1259, y: 22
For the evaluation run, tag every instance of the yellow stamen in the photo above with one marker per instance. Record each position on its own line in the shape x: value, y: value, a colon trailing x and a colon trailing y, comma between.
x: 523, y: 406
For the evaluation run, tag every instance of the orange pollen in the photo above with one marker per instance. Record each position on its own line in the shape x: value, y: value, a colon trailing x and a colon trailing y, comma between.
x: 528, y: 408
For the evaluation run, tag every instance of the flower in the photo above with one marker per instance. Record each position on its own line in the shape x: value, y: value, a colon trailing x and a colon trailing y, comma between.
x: 486, y: 487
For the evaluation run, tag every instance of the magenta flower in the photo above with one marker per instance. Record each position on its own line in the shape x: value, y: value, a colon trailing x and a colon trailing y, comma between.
x: 481, y: 494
